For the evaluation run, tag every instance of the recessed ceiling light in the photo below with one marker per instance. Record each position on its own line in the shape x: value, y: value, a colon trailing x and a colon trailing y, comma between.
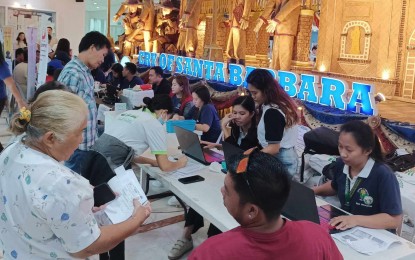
x: 95, y: 3
x: 98, y: 7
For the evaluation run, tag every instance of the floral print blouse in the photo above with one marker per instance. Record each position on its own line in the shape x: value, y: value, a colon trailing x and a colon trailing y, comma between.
x: 45, y: 208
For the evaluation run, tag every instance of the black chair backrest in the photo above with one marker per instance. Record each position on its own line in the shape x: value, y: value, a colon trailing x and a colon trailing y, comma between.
x: 96, y: 168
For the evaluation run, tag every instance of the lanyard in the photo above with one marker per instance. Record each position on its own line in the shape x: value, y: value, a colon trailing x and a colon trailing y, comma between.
x: 348, y: 194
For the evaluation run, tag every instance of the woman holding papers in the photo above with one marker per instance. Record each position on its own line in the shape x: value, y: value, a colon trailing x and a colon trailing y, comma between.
x: 277, y: 127
x: 46, y: 209
x: 366, y: 187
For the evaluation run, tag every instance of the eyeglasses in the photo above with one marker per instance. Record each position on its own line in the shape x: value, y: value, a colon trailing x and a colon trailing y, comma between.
x: 243, y: 167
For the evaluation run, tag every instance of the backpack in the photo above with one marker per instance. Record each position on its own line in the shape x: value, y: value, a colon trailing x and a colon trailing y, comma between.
x: 321, y: 140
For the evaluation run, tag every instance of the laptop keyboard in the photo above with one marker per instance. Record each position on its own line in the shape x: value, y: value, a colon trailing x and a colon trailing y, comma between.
x: 210, y: 158
x: 324, y: 216
x: 213, y: 154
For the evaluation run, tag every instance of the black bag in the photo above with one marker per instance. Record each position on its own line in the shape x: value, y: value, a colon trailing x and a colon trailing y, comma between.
x: 401, y: 163
x: 329, y: 170
x: 321, y: 140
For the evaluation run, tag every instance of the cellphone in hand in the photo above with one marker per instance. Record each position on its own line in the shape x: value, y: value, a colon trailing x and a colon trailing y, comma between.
x: 103, y: 194
x: 191, y: 179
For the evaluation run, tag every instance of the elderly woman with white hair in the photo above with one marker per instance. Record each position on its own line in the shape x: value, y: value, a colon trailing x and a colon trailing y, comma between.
x: 45, y: 208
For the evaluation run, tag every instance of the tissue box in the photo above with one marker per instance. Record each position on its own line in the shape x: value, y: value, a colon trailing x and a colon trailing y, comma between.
x: 146, y: 87
x: 186, y: 124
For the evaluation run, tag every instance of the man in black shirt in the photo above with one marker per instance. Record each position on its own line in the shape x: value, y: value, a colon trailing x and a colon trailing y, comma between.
x: 130, y: 77
x: 160, y: 84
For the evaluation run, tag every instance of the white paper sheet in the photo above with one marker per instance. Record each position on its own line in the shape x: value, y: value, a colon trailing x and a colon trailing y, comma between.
x: 128, y: 188
x: 191, y: 169
x: 366, y: 241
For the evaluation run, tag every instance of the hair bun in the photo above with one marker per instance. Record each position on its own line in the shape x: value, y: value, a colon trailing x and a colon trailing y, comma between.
x: 147, y: 101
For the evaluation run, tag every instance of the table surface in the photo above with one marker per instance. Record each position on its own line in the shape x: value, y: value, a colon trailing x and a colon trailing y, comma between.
x: 205, y: 197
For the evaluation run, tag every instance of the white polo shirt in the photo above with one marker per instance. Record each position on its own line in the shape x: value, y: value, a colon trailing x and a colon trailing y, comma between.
x: 271, y: 128
x: 138, y: 129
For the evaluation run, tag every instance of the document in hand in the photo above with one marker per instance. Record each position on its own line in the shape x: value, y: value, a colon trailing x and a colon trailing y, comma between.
x: 125, y: 183
x: 366, y: 241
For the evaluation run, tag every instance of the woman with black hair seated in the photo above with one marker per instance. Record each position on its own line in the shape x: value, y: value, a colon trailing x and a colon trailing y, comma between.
x: 207, y: 119
x: 366, y: 187
x: 239, y: 127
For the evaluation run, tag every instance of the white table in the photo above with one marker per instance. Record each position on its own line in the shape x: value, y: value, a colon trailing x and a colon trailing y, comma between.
x: 134, y: 98
x: 205, y: 197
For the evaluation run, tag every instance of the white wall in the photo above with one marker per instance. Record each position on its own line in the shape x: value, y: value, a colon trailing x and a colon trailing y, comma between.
x: 70, y: 17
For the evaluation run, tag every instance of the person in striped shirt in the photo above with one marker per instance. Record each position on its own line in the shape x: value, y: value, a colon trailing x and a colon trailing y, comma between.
x: 76, y: 75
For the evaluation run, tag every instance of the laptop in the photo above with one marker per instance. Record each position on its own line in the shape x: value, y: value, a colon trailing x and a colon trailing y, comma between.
x: 301, y: 205
x: 191, y: 147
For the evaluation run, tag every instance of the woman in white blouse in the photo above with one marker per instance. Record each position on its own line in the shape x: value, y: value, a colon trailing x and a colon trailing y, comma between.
x: 21, y: 41
x: 277, y: 127
x: 45, y: 208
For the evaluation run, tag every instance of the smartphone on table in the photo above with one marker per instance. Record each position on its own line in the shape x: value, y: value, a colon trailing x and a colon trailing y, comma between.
x: 191, y: 179
x: 103, y: 194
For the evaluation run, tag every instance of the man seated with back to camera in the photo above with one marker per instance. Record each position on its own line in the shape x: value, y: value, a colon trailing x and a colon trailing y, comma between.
x: 254, y: 193
x: 160, y: 84
x: 130, y: 79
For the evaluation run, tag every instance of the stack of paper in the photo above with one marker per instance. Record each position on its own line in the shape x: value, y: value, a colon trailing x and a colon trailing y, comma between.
x: 366, y: 241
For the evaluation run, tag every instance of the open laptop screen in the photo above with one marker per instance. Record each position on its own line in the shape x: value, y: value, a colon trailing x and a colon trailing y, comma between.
x: 301, y: 204
x: 189, y: 143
